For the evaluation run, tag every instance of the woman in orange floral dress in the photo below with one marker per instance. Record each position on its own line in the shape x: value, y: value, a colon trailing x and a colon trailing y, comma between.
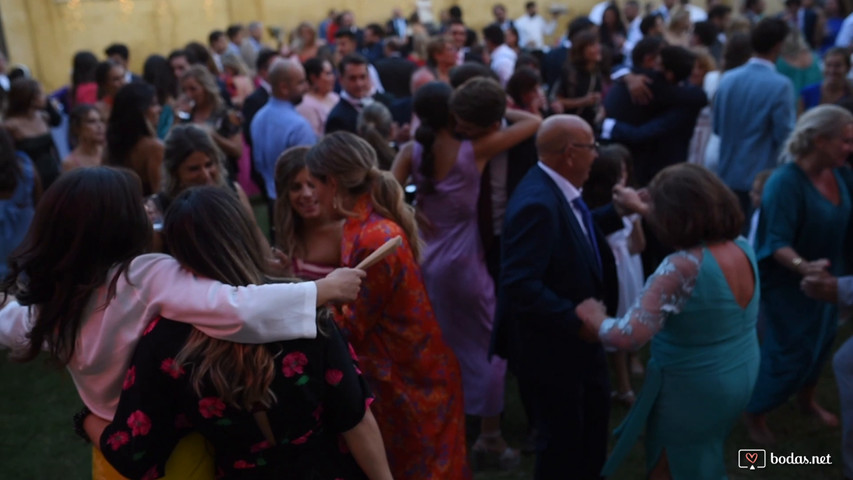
x: 409, y: 367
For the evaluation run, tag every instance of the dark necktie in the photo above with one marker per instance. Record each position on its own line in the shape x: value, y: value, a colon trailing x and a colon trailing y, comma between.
x: 580, y: 205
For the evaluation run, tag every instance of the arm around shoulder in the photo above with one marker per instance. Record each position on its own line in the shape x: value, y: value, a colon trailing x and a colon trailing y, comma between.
x: 250, y: 314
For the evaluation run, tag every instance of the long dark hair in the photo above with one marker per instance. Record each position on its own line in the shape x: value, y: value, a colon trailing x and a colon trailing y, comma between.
x: 90, y: 221
x: 432, y: 106
x: 606, y: 171
x: 102, y: 76
x: 605, y: 33
x: 82, y: 71
x: 127, y: 123
x: 210, y: 233
x: 157, y: 73
x: 22, y: 93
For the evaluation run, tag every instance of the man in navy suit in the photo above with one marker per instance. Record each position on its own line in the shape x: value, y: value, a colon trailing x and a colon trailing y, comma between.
x: 356, y: 88
x: 554, y: 255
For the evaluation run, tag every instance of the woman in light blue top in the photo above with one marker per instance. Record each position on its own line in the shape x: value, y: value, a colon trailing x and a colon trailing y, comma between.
x: 699, y: 310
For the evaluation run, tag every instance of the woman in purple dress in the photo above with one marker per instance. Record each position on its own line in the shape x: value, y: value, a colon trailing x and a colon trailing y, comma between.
x: 447, y: 174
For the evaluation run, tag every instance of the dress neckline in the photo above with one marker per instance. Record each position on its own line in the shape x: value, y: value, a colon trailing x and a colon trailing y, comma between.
x: 706, y: 253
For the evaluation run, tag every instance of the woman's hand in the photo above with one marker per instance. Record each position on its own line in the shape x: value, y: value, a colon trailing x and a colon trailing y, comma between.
x: 626, y: 200
x: 638, y: 88
x: 814, y: 268
x: 592, y: 313
x: 592, y: 99
x: 822, y: 286
x: 340, y: 286
x: 279, y: 263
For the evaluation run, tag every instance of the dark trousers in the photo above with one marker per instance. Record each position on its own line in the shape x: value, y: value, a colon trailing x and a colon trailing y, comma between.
x: 745, y: 206
x: 571, y: 420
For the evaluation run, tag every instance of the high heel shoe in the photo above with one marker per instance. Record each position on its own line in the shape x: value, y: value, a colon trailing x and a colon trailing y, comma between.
x: 483, y: 456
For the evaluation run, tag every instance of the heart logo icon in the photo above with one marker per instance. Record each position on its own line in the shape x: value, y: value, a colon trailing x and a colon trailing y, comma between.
x: 752, y: 457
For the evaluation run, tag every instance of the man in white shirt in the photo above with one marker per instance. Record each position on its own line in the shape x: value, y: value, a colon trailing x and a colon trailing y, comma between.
x: 503, y: 57
x: 845, y: 34
x: 532, y: 28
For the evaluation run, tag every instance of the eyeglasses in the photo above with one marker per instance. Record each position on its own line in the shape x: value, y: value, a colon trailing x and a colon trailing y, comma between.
x: 591, y: 146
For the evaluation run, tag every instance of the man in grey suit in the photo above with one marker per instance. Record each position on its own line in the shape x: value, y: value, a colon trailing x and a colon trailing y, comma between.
x: 754, y: 112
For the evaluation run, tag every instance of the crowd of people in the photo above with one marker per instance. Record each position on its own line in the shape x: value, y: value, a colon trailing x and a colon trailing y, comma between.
x: 678, y: 176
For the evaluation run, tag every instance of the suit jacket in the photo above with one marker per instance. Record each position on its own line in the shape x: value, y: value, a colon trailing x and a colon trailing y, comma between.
x: 251, y: 105
x: 657, y: 134
x: 345, y: 117
x: 401, y: 110
x: 547, y: 268
x: 753, y: 115
x: 395, y: 74
x: 553, y: 63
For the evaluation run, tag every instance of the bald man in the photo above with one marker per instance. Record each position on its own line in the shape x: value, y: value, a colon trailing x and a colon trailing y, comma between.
x: 554, y: 255
x: 277, y: 126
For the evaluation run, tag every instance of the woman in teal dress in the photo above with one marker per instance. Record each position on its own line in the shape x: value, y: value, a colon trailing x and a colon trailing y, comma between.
x: 699, y: 309
x: 805, y: 212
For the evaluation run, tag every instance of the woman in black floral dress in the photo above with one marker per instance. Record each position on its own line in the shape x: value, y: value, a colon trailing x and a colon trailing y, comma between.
x: 293, y: 409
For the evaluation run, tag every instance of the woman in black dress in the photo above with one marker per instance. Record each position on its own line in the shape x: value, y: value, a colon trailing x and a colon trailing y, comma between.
x: 28, y: 123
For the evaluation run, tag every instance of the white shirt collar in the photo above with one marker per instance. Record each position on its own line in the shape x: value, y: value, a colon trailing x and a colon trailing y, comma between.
x: 358, y: 103
x: 266, y: 86
x: 569, y: 191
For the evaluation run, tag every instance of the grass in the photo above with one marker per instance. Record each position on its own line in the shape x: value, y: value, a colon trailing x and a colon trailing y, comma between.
x: 37, y: 442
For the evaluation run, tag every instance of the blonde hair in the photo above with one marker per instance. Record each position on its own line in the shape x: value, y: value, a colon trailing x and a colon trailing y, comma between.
x: 824, y: 121
x: 375, y: 126
x: 233, y: 61
x: 704, y: 59
x: 794, y: 44
x: 679, y: 21
x: 351, y: 161
x: 207, y: 81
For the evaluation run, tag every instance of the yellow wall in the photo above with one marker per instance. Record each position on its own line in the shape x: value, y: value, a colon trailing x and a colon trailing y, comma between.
x: 44, y: 34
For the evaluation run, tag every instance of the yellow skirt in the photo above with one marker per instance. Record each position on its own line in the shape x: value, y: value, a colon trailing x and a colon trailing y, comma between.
x: 192, y: 459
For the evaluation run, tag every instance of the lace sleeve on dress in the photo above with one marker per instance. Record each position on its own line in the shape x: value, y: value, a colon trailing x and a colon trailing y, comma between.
x: 664, y: 294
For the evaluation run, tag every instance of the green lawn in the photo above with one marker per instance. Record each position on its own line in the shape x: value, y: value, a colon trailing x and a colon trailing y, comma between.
x: 36, y: 439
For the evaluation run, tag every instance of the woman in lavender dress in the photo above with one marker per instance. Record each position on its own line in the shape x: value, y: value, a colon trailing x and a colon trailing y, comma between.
x: 447, y: 173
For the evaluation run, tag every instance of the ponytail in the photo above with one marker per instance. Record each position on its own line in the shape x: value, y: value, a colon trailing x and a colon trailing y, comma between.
x: 388, y: 201
x: 352, y: 162
x: 425, y: 135
x: 384, y: 153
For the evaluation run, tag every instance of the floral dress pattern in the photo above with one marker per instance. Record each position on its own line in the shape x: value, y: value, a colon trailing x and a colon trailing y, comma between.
x: 410, y: 368
x: 319, y: 393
